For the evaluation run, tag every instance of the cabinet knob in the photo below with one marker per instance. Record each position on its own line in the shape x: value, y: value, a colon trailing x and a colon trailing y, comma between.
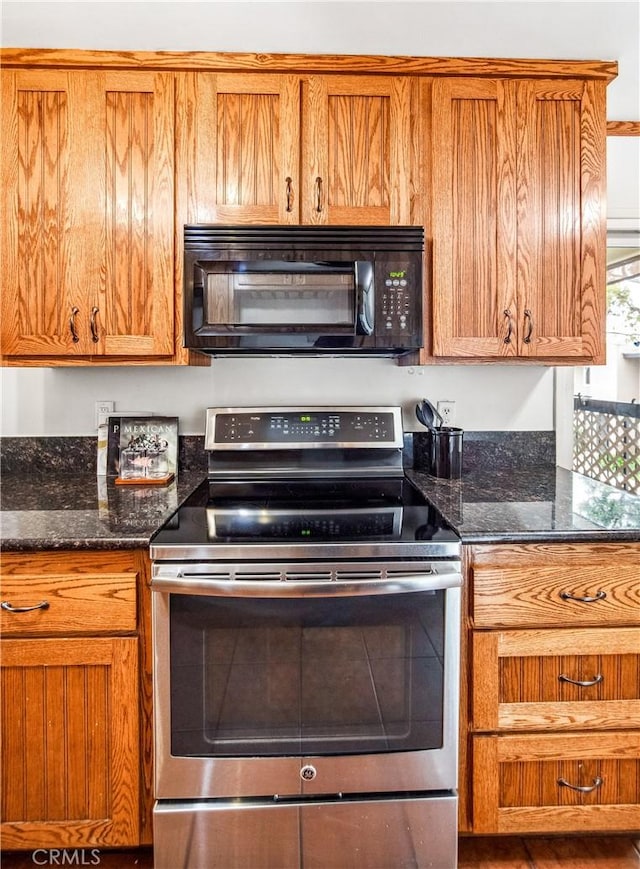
x: 599, y: 595
x: 318, y: 194
x: 507, y: 337
x: 72, y: 324
x: 581, y: 683
x: 94, y: 325
x: 289, y: 182
x: 583, y: 789
x: 528, y: 322
x: 10, y: 608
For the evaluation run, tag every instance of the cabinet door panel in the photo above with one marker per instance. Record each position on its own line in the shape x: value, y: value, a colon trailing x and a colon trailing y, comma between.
x: 70, y: 742
x: 528, y: 680
x: 356, y: 150
x: 517, y: 789
x: 238, y: 148
x: 561, y: 218
x: 94, y: 602
x: 40, y: 251
x: 474, y: 210
x: 135, y: 315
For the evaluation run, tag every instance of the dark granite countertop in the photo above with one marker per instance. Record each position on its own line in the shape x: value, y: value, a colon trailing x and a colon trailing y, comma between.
x: 509, y: 492
x: 64, y: 511
x: 506, y: 505
x: 61, y: 511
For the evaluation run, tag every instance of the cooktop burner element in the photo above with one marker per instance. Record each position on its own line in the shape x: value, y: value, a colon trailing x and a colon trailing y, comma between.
x: 308, y: 482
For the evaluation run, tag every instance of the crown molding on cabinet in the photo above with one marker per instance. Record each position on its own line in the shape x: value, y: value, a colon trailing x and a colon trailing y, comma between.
x: 623, y: 128
x: 309, y: 63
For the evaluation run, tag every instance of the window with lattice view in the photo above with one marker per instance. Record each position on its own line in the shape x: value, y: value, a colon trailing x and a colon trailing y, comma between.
x: 606, y: 414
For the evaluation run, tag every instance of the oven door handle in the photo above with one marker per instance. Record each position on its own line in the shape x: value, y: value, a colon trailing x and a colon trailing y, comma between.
x: 210, y: 584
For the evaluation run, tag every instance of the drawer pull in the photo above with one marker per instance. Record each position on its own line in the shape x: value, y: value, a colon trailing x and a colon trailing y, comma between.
x: 583, y: 789
x: 43, y: 605
x: 583, y: 684
x: 599, y: 595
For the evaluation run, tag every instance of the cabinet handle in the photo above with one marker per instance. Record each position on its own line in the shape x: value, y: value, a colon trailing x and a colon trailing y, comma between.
x: 289, y: 194
x: 72, y: 324
x: 94, y: 325
x: 318, y: 194
x: 507, y: 337
x: 583, y: 789
x: 10, y: 608
x: 528, y: 319
x: 583, y: 684
x: 599, y: 595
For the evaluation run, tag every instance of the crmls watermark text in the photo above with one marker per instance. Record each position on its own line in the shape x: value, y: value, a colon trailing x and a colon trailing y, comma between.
x: 66, y: 857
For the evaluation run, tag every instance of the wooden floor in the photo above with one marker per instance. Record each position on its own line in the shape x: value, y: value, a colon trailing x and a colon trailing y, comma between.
x: 612, y: 852
x: 547, y: 853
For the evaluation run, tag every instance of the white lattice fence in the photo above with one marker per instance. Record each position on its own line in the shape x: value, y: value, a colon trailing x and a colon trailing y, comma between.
x: 607, y: 442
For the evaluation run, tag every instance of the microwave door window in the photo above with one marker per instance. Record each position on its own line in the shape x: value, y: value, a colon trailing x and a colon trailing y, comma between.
x: 277, y: 295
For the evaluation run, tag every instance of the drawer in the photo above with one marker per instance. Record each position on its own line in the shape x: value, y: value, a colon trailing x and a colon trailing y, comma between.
x: 559, y: 783
x: 587, y: 678
x: 67, y: 603
x: 546, y: 586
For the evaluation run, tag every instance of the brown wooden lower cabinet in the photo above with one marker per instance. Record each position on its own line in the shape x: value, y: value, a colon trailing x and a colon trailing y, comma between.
x: 553, y: 732
x: 556, y: 783
x: 75, y: 716
x: 70, y: 742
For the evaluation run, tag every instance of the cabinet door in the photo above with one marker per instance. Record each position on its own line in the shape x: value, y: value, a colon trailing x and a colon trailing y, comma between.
x: 474, y: 218
x: 134, y: 162
x: 356, y: 150
x: 518, y: 219
x: 87, y: 242
x: 561, y: 219
x: 45, y: 195
x: 238, y: 148
x: 70, y: 773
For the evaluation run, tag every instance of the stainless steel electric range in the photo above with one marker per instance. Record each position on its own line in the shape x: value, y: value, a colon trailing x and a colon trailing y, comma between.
x: 306, y: 618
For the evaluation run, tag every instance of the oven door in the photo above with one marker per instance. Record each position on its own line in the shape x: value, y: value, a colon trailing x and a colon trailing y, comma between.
x: 305, y: 678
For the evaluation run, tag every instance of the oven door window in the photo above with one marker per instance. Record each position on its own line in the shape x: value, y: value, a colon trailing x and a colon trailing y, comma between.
x: 279, y: 294
x: 274, y: 677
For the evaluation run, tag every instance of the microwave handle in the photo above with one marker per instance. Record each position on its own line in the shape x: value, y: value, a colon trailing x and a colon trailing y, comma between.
x: 364, y: 297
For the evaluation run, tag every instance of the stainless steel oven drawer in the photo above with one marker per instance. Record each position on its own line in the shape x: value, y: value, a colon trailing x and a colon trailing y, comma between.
x: 413, y: 832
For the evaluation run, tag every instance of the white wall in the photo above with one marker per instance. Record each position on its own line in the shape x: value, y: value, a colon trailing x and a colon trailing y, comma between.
x: 60, y: 401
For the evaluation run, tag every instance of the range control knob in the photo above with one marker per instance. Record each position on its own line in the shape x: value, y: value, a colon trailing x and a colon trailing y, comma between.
x: 308, y: 773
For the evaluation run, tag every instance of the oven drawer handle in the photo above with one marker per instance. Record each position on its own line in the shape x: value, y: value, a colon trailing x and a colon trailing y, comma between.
x: 212, y: 585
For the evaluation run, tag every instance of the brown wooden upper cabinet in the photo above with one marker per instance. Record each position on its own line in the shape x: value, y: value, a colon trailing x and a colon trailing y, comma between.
x: 277, y: 148
x: 88, y: 211
x: 518, y: 219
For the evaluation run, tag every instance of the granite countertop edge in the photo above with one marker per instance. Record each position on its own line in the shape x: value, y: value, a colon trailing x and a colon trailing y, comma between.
x: 452, y: 498
x: 92, y: 531
x: 98, y: 538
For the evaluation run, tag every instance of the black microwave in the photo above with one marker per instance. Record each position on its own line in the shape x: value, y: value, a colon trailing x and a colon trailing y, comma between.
x: 314, y: 290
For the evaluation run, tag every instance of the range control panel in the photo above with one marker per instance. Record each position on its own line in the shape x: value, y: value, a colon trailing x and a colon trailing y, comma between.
x: 304, y: 428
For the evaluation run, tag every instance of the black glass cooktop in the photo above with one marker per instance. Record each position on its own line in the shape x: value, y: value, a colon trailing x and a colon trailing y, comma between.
x: 379, y: 510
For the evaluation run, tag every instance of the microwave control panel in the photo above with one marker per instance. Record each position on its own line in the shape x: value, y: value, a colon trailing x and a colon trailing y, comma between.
x: 397, y: 299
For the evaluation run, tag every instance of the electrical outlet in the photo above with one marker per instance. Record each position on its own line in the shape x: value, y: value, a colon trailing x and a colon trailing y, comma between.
x: 447, y: 410
x: 103, y: 409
